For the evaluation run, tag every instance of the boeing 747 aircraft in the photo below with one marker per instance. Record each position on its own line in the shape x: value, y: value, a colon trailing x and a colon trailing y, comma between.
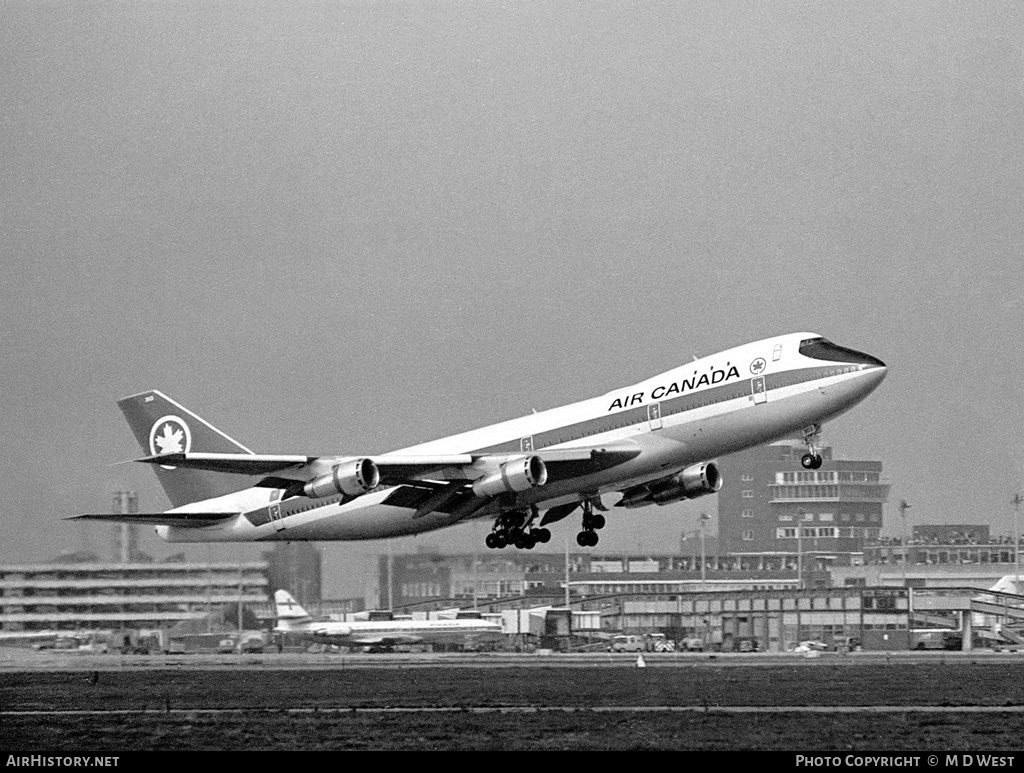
x: 293, y: 619
x: 651, y: 443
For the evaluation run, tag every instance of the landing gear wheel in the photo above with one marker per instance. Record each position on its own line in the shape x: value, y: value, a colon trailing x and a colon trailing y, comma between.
x: 543, y: 536
x: 524, y: 541
x: 586, y: 539
x: 510, y: 528
x: 811, y: 461
x: 597, y: 521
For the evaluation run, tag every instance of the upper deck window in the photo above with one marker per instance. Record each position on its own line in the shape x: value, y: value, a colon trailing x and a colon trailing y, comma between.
x: 823, y: 349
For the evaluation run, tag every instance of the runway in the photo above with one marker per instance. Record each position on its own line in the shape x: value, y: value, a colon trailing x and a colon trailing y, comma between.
x: 708, y: 709
x: 22, y: 659
x: 291, y: 701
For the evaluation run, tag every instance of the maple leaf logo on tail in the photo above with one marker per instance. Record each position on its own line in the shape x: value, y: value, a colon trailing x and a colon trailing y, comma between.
x: 170, y: 441
x: 169, y: 435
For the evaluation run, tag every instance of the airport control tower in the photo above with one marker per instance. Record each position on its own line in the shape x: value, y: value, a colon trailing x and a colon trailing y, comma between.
x: 125, y: 537
x: 771, y: 504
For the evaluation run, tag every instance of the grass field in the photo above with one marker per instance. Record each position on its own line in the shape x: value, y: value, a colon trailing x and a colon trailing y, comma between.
x: 514, y: 708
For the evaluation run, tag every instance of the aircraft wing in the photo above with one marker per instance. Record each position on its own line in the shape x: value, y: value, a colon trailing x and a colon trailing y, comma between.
x: 327, y: 636
x: 158, y: 519
x: 398, y: 468
x: 383, y: 640
x: 575, y: 462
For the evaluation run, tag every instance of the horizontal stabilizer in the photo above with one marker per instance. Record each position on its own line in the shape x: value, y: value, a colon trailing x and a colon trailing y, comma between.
x: 158, y: 519
x: 242, y: 464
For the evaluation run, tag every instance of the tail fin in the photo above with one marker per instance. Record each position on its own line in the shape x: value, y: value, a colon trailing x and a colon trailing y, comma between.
x: 163, y: 426
x: 1007, y: 584
x: 287, y: 608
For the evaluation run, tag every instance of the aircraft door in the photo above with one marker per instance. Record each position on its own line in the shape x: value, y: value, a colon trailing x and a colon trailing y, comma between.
x: 758, y: 391
x: 654, y: 415
x: 275, y: 516
x: 526, y: 444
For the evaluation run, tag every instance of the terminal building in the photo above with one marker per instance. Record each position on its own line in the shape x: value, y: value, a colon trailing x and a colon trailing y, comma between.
x: 735, y: 602
x: 102, y: 595
x: 82, y: 591
x: 773, y: 506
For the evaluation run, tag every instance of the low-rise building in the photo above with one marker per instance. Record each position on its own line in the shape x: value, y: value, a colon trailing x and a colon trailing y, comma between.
x: 68, y: 596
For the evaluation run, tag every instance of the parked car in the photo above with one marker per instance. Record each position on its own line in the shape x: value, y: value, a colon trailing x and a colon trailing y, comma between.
x: 626, y: 644
x: 251, y: 642
x: 848, y: 644
x: 692, y: 644
x: 94, y: 646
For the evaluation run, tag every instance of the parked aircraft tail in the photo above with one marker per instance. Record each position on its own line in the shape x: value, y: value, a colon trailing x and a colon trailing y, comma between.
x: 162, y: 426
x: 287, y: 609
x: 1007, y: 584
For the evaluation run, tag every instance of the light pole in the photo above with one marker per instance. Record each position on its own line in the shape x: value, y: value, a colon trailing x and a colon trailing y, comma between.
x: 1016, y: 501
x: 903, y: 537
x: 800, y: 549
x: 476, y: 597
x: 567, y: 575
x: 391, y: 577
x: 703, y: 554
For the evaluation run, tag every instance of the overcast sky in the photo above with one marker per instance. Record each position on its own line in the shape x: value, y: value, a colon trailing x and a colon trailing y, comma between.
x: 352, y: 226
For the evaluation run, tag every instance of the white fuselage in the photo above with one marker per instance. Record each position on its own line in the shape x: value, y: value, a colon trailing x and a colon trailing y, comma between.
x: 365, y: 633
x: 739, y: 398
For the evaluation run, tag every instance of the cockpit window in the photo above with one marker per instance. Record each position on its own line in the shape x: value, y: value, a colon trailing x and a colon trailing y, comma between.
x: 823, y: 349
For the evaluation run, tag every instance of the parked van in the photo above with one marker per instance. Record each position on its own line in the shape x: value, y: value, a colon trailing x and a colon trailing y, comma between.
x: 626, y: 644
x: 658, y: 642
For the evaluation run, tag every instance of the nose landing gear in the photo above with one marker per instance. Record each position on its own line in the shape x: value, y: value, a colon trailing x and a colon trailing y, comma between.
x: 812, y: 459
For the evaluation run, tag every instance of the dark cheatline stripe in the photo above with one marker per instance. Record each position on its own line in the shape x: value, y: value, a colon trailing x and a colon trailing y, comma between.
x: 292, y: 506
x: 689, y: 402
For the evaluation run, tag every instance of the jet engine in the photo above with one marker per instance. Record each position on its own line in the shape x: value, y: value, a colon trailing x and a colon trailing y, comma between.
x: 517, y: 475
x: 695, y: 481
x: 351, y: 478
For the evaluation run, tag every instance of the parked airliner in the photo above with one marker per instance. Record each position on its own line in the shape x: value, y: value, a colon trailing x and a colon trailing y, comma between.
x: 293, y: 619
x: 651, y: 443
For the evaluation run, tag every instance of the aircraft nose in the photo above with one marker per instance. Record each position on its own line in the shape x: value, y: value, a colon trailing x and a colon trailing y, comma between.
x: 874, y: 373
x: 870, y: 362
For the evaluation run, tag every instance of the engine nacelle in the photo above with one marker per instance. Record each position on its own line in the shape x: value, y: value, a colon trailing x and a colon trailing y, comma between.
x: 517, y: 475
x: 695, y: 481
x: 351, y: 478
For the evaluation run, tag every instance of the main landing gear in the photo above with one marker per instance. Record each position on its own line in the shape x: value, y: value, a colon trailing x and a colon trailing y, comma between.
x: 592, y: 522
x: 515, y: 527
x: 812, y: 459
